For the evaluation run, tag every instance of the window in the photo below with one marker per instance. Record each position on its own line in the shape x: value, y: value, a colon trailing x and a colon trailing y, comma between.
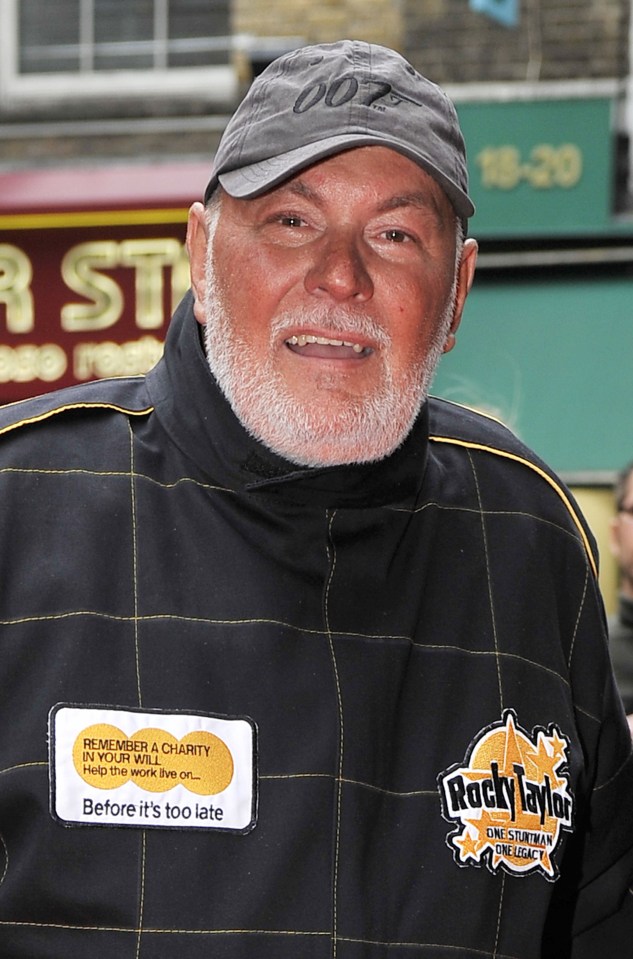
x: 87, y: 35
x: 122, y: 46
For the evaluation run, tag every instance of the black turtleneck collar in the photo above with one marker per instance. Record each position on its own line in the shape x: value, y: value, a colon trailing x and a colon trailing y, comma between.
x: 200, y: 421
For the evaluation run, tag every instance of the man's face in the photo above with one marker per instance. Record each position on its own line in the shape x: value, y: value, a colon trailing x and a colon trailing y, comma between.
x: 622, y: 539
x: 328, y: 302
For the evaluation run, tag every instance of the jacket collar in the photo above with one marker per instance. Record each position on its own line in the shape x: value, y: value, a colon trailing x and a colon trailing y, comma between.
x: 198, y: 418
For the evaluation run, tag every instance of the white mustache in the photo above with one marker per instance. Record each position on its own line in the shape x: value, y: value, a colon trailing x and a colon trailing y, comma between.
x: 345, y: 324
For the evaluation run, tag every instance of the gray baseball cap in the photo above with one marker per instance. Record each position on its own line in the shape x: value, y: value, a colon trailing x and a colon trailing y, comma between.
x: 320, y: 100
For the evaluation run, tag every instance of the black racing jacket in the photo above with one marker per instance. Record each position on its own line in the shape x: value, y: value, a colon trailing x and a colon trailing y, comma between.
x: 251, y: 710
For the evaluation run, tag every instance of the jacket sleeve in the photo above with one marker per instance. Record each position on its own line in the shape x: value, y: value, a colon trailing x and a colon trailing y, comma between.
x: 613, y: 936
x: 603, y: 914
x: 593, y: 899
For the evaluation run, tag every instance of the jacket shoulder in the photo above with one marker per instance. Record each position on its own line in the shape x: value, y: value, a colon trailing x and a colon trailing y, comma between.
x: 127, y: 395
x: 517, y: 476
x: 451, y: 422
x: 460, y: 426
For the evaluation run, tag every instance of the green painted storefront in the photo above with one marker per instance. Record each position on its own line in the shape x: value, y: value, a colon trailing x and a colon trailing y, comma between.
x: 546, y: 343
x: 552, y: 358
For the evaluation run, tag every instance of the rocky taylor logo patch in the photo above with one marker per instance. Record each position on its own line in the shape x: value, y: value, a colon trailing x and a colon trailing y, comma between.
x: 511, y: 799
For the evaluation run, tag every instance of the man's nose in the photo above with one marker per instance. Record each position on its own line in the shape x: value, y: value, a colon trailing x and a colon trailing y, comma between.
x: 340, y: 270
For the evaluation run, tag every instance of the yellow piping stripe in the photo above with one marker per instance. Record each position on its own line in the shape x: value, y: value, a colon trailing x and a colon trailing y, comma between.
x: 541, y: 473
x: 74, y: 406
x: 39, y: 221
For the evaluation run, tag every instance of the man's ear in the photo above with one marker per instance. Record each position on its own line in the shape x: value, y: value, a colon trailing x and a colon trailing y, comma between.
x: 197, y: 248
x: 465, y: 277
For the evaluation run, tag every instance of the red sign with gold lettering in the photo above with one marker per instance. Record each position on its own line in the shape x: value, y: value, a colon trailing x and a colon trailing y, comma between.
x: 92, y: 264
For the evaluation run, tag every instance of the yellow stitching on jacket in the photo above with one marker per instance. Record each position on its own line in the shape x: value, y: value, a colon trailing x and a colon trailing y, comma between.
x: 137, y: 657
x: 293, y: 933
x: 41, y: 417
x: 493, y: 618
x: 141, y: 905
x: 578, y: 617
x: 548, y: 479
x: 331, y: 553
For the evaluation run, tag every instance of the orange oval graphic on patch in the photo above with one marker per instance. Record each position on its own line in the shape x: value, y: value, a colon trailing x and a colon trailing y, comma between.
x: 106, y: 757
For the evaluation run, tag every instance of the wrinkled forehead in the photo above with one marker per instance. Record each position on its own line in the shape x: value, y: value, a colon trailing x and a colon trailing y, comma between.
x: 389, y: 181
x: 386, y: 167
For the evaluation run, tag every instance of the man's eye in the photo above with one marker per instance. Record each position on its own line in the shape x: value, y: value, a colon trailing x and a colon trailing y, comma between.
x: 397, y: 236
x: 290, y: 220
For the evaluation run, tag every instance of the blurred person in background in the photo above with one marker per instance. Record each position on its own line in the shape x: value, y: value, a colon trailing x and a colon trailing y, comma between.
x: 621, y: 622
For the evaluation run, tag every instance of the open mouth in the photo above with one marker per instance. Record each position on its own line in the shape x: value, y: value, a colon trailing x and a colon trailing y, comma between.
x: 324, y: 347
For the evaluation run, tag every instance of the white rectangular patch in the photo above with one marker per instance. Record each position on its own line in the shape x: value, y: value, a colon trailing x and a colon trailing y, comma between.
x: 112, y: 766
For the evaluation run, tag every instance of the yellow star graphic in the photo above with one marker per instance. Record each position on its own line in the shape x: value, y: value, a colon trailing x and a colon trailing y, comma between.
x: 543, y: 764
x: 468, y: 846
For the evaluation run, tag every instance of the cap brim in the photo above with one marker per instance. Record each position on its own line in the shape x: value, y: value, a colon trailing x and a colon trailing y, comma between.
x: 250, y: 181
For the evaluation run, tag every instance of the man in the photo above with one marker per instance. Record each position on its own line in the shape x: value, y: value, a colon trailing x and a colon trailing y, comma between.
x: 621, y: 623
x: 321, y: 662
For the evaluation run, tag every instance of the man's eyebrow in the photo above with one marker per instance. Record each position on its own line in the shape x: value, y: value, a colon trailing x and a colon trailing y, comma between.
x: 301, y: 188
x: 425, y: 202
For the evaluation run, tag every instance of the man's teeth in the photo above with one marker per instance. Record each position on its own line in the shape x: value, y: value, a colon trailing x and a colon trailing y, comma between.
x: 305, y: 338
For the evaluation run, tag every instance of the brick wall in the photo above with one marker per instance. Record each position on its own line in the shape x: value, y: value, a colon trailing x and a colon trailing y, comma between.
x: 321, y: 21
x: 554, y: 40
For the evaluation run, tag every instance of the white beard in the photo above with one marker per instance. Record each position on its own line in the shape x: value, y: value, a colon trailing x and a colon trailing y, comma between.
x: 362, y: 428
